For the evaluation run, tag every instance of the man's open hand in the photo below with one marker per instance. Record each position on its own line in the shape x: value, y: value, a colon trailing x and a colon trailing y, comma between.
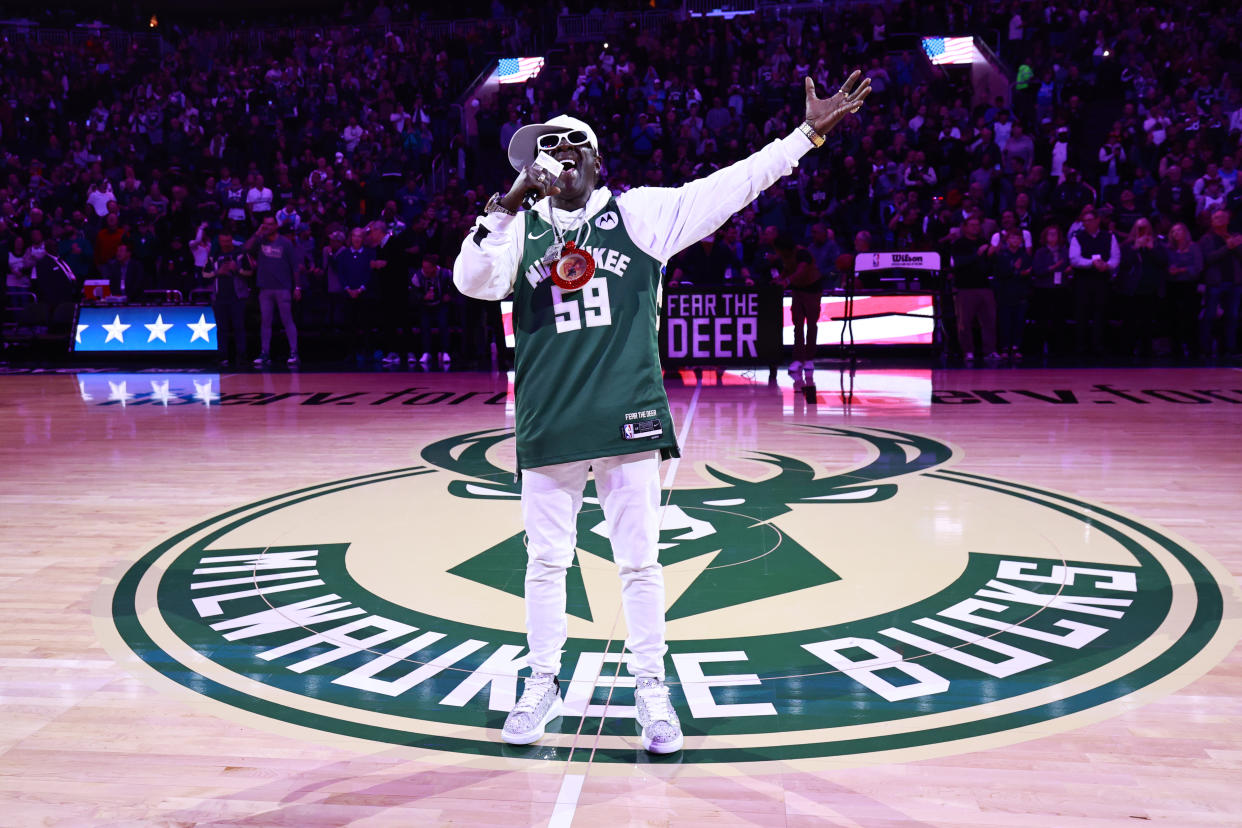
x: 826, y: 113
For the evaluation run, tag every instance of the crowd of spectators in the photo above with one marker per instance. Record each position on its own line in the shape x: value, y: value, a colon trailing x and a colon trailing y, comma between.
x: 1125, y: 109
x: 1103, y: 184
x: 158, y: 159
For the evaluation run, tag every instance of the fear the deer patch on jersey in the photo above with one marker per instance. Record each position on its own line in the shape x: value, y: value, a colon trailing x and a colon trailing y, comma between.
x: 896, y: 609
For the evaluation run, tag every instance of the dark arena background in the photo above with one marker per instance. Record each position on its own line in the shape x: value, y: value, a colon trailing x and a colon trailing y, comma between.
x: 953, y: 536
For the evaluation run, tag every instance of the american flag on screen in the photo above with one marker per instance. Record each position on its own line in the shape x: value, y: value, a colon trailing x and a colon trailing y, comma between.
x: 951, y: 49
x: 518, y: 70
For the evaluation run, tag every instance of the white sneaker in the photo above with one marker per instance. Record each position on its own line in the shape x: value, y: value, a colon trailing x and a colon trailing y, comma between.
x: 540, y: 704
x: 795, y: 366
x: 425, y: 358
x: 391, y: 358
x: 970, y: 357
x: 445, y: 358
x: 411, y: 357
x: 654, y: 712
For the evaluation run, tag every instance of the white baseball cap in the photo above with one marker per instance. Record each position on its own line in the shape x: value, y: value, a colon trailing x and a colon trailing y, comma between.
x: 522, y: 149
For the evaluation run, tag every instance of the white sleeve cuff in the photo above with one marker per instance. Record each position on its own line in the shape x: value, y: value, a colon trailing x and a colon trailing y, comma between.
x: 497, y: 222
x: 795, y: 145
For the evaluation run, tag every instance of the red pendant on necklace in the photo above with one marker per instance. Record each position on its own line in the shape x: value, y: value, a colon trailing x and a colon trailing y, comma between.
x: 574, y: 269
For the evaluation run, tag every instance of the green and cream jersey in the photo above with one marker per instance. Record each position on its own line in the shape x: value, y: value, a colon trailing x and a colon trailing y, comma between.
x: 588, y: 379
x: 587, y: 370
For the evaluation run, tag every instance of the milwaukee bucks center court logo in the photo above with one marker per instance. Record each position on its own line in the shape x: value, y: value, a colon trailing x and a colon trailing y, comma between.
x: 896, y: 610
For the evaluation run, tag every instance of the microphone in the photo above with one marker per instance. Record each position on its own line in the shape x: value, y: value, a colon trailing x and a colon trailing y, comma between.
x: 545, y: 170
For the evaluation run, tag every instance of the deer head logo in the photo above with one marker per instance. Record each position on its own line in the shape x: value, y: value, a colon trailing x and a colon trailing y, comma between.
x: 731, y: 522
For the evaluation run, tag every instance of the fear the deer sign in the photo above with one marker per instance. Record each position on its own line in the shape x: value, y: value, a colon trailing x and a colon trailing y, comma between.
x: 898, y: 610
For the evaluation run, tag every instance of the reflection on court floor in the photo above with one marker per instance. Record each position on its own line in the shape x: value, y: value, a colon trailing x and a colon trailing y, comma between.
x: 867, y: 568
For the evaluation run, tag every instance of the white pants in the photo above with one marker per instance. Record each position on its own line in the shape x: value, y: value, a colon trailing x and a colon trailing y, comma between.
x: 629, y: 492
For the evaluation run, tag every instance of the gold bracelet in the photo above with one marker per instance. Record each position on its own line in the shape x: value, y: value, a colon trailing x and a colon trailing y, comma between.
x: 809, y: 131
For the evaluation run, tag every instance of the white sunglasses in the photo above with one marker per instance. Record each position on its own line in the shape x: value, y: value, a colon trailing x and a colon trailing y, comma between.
x: 552, y: 140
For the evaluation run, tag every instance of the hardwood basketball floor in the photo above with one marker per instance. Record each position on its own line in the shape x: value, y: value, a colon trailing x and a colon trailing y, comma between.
x: 99, y: 468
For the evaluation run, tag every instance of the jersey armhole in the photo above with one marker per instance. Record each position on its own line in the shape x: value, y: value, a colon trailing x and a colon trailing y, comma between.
x: 615, y: 201
x: 524, y: 229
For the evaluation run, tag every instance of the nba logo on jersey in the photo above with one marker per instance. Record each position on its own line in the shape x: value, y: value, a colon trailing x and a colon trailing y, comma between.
x: 627, y: 431
x: 607, y: 221
x: 875, y: 260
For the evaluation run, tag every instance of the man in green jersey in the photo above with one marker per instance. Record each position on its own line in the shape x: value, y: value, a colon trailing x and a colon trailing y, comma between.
x: 584, y: 266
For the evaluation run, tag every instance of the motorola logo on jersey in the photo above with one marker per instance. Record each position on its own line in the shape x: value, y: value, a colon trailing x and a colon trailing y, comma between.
x: 890, y: 609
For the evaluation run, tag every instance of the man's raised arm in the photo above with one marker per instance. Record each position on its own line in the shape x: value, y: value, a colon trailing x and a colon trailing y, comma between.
x: 665, y: 221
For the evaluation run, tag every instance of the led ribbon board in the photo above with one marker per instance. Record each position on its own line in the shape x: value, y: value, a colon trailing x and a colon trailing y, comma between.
x: 127, y: 328
x: 951, y: 50
x: 904, y: 319
x: 518, y: 70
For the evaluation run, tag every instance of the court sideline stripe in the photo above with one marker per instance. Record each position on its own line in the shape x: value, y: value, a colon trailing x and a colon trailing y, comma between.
x: 567, y: 800
x: 572, y: 783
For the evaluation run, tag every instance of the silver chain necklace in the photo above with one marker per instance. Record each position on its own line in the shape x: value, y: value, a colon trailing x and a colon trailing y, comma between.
x: 558, y: 235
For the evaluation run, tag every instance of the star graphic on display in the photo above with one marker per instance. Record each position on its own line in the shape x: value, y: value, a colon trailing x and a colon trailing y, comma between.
x: 117, y: 390
x: 158, y: 329
x: 78, y: 336
x: 159, y: 389
x: 202, y: 391
x: 201, y: 328
x: 116, y: 330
